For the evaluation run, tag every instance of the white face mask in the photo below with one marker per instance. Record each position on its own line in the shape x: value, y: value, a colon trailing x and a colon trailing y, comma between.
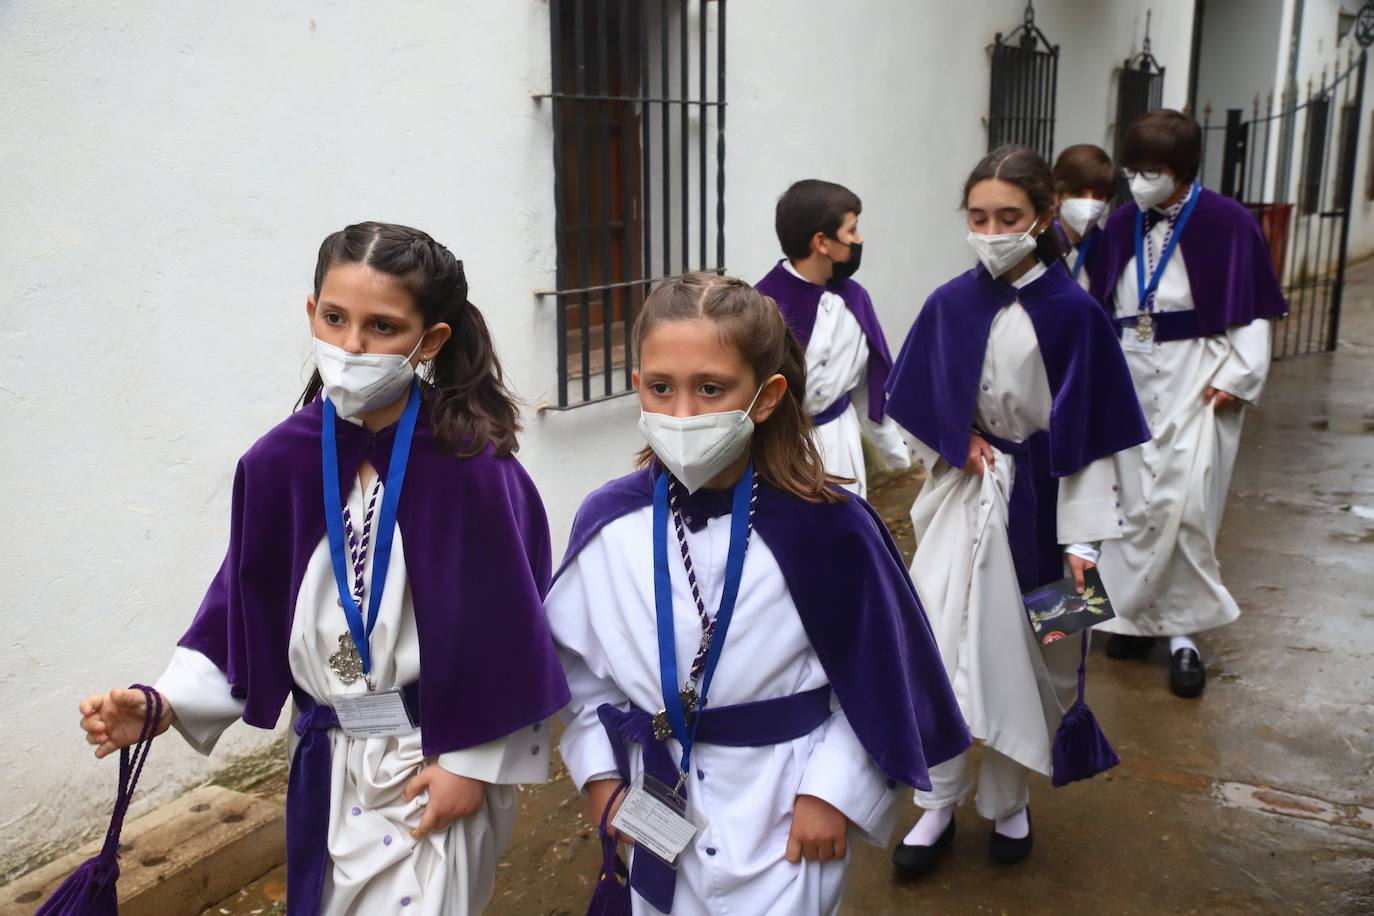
x: 1080, y: 213
x: 1151, y: 191
x: 360, y: 382
x: 1000, y: 253
x: 696, y: 449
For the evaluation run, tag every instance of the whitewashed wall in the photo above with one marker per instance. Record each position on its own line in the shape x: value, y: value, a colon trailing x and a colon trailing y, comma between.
x: 171, y: 169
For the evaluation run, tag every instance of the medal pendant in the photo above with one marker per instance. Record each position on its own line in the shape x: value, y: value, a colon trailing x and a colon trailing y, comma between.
x: 663, y: 729
x: 346, y: 662
x: 1145, y: 326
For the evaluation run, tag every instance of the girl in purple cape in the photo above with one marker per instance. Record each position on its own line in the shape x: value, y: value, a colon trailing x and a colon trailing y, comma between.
x: 1017, y: 395
x: 421, y: 675
x: 731, y: 544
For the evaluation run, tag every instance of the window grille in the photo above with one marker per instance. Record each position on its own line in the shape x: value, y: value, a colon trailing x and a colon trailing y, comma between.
x: 638, y: 110
x: 1139, y: 88
x: 1025, y: 79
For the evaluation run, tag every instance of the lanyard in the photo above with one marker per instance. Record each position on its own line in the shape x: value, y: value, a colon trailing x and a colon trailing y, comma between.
x: 386, y: 521
x: 1146, y: 291
x: 663, y: 603
x: 1084, y: 246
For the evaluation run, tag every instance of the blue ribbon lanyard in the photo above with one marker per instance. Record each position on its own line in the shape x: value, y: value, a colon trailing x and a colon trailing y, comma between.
x: 1084, y: 246
x: 663, y: 602
x: 1146, y: 291
x: 386, y: 521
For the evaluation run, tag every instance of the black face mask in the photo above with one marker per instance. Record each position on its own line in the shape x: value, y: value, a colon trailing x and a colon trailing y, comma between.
x: 843, y: 270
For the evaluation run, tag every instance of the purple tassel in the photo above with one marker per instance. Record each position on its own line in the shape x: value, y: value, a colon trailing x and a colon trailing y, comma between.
x: 1081, y: 750
x: 90, y: 890
x: 611, y: 896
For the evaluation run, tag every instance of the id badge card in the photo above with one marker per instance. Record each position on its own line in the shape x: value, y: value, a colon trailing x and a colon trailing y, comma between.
x: 656, y: 819
x: 377, y: 714
x: 1131, y: 342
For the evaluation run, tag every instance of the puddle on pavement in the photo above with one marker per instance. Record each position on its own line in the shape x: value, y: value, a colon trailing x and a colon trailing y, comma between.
x: 1289, y: 804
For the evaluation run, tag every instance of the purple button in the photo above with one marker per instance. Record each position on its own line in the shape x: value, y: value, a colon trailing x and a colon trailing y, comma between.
x: 357, y: 811
x: 701, y: 774
x: 710, y: 850
x: 1116, y: 488
x: 1118, y: 504
x: 975, y: 540
x: 405, y: 901
x: 534, y: 749
x: 892, y: 783
x: 535, y: 726
x: 386, y: 840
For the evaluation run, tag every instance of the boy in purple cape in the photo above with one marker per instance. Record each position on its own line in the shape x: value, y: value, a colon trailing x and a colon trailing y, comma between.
x: 1186, y: 276
x: 386, y: 566
x: 1084, y: 181
x: 847, y: 359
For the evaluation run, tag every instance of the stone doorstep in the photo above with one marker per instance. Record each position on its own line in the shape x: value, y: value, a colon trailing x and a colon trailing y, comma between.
x: 180, y: 858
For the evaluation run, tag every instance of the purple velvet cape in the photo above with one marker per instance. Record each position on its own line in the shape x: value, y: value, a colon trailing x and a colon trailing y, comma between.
x: 860, y: 612
x: 934, y: 385
x: 477, y: 555
x: 798, y: 301
x: 1224, y: 253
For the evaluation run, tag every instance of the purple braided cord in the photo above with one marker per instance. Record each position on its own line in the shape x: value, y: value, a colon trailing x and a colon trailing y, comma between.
x: 131, y: 761
x: 357, y: 548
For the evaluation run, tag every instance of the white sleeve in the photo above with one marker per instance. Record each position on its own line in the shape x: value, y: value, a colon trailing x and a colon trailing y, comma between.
x: 841, y: 773
x: 520, y: 757
x: 584, y: 746
x: 1089, y: 508
x: 201, y: 697
x: 886, y: 436
x: 1247, y: 366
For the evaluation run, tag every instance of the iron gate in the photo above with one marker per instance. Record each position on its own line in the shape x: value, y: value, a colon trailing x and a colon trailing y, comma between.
x: 1294, y: 168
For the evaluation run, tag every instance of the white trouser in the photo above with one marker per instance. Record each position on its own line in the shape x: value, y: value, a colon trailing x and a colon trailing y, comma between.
x: 1003, y: 784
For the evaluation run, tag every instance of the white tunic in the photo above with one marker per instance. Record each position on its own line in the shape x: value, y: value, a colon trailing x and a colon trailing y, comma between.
x: 601, y: 611
x: 377, y: 866
x: 1163, y: 576
x: 1011, y: 691
x: 836, y: 365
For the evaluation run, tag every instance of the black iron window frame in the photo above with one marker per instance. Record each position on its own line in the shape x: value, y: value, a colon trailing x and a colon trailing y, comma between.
x: 1139, y: 89
x: 1024, y: 87
x: 653, y: 247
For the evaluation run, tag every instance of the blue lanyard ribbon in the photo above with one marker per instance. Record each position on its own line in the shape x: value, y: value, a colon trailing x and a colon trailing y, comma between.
x: 1146, y: 291
x: 1085, y: 245
x: 386, y: 520
x: 663, y: 602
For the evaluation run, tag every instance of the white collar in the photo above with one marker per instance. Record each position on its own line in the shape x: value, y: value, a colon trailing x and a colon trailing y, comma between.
x: 1035, y: 273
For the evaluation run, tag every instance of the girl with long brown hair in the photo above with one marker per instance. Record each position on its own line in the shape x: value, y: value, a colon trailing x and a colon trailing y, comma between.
x: 387, y: 560
x: 746, y: 654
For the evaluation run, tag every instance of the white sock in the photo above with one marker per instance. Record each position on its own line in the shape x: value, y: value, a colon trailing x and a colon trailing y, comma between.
x: 929, y: 827
x: 1013, y: 826
x: 1182, y: 642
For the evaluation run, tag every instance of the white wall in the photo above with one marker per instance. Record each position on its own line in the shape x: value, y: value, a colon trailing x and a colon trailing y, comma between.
x: 169, y: 176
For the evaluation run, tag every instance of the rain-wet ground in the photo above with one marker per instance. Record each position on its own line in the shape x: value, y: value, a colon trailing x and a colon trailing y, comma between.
x: 1257, y: 797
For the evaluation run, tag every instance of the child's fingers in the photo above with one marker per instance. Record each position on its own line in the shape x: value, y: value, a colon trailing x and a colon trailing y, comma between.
x: 428, y: 821
x: 418, y: 783
x: 91, y: 705
x: 841, y: 846
x: 794, y: 849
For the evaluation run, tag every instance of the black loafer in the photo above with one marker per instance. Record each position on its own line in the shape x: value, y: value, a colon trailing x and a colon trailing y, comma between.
x: 1119, y: 645
x: 914, y: 861
x: 1006, y: 851
x: 1187, y: 675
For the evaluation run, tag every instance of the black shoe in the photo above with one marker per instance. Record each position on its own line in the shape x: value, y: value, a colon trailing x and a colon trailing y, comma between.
x: 1006, y: 851
x: 914, y: 861
x: 1119, y: 645
x: 1187, y: 676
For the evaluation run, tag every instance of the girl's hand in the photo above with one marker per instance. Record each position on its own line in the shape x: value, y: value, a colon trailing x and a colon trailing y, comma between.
x: 451, y: 797
x: 978, y: 452
x: 114, y: 720
x: 819, y: 831
x: 598, y: 796
x: 1218, y: 398
x: 1078, y: 566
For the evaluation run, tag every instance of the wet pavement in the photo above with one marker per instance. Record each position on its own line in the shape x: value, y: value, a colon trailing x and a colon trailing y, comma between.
x: 1259, y: 797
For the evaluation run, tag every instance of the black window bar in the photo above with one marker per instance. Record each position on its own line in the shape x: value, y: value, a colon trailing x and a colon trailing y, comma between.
x: 1139, y: 88
x: 1025, y: 80
x: 638, y: 110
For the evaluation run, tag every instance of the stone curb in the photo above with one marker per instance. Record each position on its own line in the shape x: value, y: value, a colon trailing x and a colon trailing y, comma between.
x: 180, y: 858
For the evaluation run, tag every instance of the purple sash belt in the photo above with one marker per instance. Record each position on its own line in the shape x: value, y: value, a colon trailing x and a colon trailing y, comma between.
x: 1032, y: 522
x: 755, y: 724
x: 1169, y: 326
x: 832, y: 413
x: 307, y: 800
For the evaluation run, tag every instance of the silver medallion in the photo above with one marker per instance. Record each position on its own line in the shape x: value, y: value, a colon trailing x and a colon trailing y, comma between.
x: 347, y: 663
x: 663, y: 729
x: 1145, y: 326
